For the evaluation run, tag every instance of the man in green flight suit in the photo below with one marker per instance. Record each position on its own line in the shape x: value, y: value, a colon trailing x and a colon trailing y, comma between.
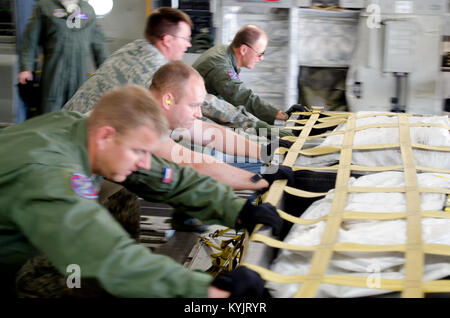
x: 49, y: 189
x: 68, y: 33
x: 220, y: 67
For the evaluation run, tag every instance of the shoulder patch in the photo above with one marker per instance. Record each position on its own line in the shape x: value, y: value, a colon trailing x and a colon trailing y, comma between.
x: 81, y: 15
x: 233, y: 75
x: 167, y: 175
x: 59, y: 13
x: 83, y: 186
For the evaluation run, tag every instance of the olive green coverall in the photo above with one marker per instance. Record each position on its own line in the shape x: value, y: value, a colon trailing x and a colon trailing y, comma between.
x: 67, y: 41
x: 219, y: 69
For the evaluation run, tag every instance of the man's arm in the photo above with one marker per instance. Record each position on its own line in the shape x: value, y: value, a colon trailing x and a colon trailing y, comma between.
x: 30, y: 46
x: 224, y: 140
x: 199, y: 196
x: 234, y: 91
x: 224, y: 113
x: 98, y: 45
x: 71, y: 229
x: 236, y: 178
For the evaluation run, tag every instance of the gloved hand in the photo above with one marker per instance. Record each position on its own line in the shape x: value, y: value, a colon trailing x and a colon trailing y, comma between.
x: 263, y: 128
x: 285, y: 133
x: 265, y: 213
x: 240, y: 282
x: 268, y: 150
x: 277, y: 172
x: 268, y: 130
x: 297, y: 108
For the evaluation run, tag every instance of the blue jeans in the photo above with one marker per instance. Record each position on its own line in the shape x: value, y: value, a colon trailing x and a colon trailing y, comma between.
x: 249, y: 164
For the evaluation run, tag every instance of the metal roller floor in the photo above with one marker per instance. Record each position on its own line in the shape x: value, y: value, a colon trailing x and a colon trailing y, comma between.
x: 184, y: 247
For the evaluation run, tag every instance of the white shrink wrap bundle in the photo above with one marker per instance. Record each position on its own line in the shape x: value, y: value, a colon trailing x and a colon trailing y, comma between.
x: 388, y: 265
x: 429, y: 136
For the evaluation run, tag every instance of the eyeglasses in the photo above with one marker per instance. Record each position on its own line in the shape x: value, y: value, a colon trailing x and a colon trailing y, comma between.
x: 189, y: 39
x: 257, y: 53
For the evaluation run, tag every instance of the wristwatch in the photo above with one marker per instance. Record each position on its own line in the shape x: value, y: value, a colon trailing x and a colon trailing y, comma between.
x: 255, y: 178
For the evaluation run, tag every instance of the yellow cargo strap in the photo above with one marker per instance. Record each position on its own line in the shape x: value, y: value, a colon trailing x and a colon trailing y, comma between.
x: 414, y: 249
x: 371, y: 168
x: 318, y: 151
x: 277, y: 187
x: 358, y: 215
x: 322, y: 255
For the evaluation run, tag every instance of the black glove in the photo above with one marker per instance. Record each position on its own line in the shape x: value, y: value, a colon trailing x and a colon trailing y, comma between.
x: 277, y: 172
x: 296, y: 108
x: 265, y: 213
x: 268, y: 150
x: 241, y: 282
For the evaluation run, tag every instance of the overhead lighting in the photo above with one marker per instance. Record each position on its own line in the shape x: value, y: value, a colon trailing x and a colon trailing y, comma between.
x: 101, y: 7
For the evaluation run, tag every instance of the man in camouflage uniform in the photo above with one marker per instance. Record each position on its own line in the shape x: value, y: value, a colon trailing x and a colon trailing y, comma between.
x: 220, y: 67
x: 68, y: 33
x: 168, y: 34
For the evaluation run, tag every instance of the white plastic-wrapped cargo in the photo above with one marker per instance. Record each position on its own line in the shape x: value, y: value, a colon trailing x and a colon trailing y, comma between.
x: 373, y: 266
x: 435, y: 135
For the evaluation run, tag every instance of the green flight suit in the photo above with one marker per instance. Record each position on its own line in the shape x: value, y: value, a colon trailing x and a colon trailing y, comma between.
x: 66, y: 45
x: 218, y: 67
x: 44, y: 209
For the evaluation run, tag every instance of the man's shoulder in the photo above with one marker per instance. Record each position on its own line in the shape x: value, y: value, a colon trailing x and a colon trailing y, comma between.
x: 131, y: 64
x: 50, y: 127
x: 50, y: 120
x: 139, y: 48
x: 134, y: 63
x: 215, y: 57
x: 47, y: 7
x: 44, y: 141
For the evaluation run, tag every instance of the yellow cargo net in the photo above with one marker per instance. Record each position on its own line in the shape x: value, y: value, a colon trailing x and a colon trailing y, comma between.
x: 414, y: 249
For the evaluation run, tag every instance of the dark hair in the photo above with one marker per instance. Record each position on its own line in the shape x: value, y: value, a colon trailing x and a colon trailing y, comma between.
x: 248, y: 34
x: 173, y: 77
x: 164, y: 20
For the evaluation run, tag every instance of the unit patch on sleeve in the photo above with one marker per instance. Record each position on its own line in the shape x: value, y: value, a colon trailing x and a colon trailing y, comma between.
x: 59, y: 13
x: 81, y: 15
x: 83, y: 186
x: 233, y: 75
x: 167, y: 175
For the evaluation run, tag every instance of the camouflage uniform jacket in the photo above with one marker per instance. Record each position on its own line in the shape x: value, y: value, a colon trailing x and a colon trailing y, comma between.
x: 218, y: 67
x: 136, y: 63
x: 48, y: 203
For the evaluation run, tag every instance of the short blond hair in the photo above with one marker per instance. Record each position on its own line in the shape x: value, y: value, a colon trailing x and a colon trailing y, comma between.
x: 128, y: 107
